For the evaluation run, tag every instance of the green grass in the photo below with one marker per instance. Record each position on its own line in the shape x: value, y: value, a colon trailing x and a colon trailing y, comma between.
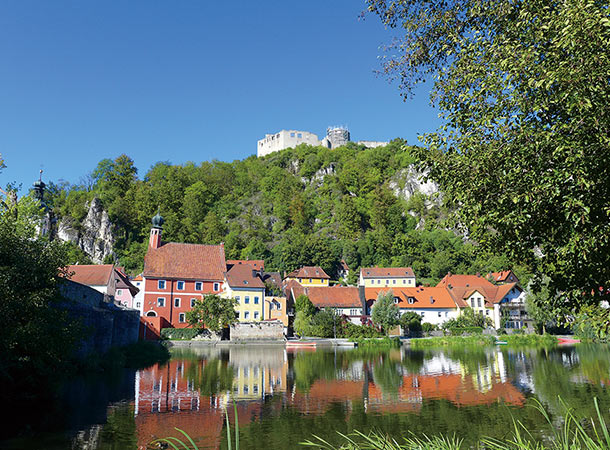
x: 385, y: 342
x: 529, y: 340
x: 444, y: 341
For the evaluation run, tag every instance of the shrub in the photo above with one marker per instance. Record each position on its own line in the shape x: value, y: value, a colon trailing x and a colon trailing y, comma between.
x: 180, y: 333
x: 458, y: 331
x: 352, y: 331
x: 427, y: 327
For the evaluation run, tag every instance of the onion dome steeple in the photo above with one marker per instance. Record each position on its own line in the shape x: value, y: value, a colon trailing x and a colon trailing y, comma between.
x: 158, y: 220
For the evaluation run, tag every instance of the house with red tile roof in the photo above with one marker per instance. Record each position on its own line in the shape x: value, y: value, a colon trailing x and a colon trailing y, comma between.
x: 309, y: 276
x: 176, y: 275
x: 434, y: 304
x: 107, y: 279
x: 243, y: 283
x: 258, y: 264
x: 386, y: 277
x: 344, y: 300
x: 478, y: 293
x: 505, y: 276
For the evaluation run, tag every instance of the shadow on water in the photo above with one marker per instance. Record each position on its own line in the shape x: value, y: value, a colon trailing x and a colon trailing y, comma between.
x: 284, y: 397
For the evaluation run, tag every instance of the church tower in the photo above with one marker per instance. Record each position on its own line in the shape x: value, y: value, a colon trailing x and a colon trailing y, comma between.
x: 155, y: 231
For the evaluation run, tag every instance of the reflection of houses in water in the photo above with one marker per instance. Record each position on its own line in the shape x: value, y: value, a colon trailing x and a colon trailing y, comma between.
x: 166, y: 399
x: 258, y: 371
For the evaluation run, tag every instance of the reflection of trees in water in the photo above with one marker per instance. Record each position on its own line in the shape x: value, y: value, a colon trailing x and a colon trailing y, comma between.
x: 414, y: 360
x: 120, y: 428
x: 211, y: 376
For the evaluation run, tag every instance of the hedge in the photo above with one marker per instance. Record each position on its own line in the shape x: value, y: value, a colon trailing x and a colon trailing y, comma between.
x: 179, y: 333
x: 470, y: 330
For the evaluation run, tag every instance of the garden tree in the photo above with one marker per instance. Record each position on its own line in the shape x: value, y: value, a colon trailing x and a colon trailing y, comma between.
x: 544, y: 307
x: 302, y: 323
x: 304, y: 305
x: 469, y: 318
x: 411, y: 321
x: 385, y: 313
x: 523, y: 90
x: 212, y: 312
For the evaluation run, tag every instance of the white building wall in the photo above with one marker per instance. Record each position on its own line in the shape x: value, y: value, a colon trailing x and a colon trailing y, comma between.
x: 436, y: 316
x: 285, y: 139
x: 138, y: 300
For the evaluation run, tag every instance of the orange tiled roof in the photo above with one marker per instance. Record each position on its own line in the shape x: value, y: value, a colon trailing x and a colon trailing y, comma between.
x: 308, y: 272
x: 381, y: 272
x: 185, y: 261
x: 337, y: 296
x: 503, y: 276
x: 421, y: 296
x: 91, y: 274
x: 241, y: 276
x: 462, y: 286
x: 256, y: 263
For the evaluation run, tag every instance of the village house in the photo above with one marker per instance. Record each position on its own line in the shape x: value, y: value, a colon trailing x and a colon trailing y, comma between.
x: 434, y: 304
x: 138, y: 300
x: 503, y: 277
x: 386, y: 277
x: 176, y: 275
x: 490, y: 300
x: 107, y: 279
x: 309, y: 276
x: 276, y: 309
x: 242, y: 282
x: 345, y: 301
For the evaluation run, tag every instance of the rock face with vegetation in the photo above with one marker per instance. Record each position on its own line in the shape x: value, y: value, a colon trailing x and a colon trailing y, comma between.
x: 301, y: 206
x: 94, y: 236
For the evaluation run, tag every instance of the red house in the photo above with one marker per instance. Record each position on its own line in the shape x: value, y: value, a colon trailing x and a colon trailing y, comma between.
x: 175, y: 275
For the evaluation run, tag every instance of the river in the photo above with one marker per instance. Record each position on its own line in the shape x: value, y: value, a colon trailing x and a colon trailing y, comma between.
x: 284, y: 397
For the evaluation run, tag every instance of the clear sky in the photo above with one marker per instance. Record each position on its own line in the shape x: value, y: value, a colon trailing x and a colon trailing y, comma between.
x: 187, y: 80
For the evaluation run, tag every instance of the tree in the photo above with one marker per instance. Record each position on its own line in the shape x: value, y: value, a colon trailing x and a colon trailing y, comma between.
x: 303, y: 304
x: 212, y: 312
x: 411, y: 321
x: 385, y: 312
x: 523, y: 90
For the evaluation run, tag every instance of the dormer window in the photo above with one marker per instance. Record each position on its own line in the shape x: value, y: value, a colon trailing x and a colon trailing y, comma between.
x: 396, y: 300
x: 411, y: 300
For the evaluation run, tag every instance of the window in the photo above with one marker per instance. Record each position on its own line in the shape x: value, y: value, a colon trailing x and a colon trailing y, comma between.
x: 198, y: 286
x: 278, y: 305
x: 180, y: 285
x: 479, y: 302
x: 378, y: 281
x: 300, y: 135
x: 439, y: 313
x: 161, y: 284
x: 396, y: 300
x: 300, y: 280
x: 119, y: 292
x: 255, y: 389
x: 181, y: 318
x: 193, y: 300
x: 404, y: 281
x: 237, y: 314
x: 411, y: 300
x: 176, y: 303
x: 310, y: 280
x: 216, y: 286
x: 422, y: 314
x: 256, y: 314
x: 161, y: 301
x: 246, y: 389
x: 353, y: 312
x: 446, y: 313
x: 256, y: 300
x: 393, y: 281
x: 487, y: 312
x: 472, y: 302
x: 237, y: 298
x: 247, y: 315
x: 387, y: 281
x: 246, y: 299
x: 138, y: 304
x: 291, y: 134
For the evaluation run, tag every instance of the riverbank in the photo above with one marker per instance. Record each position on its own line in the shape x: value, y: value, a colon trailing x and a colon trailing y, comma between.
x: 514, y: 340
x: 315, y: 342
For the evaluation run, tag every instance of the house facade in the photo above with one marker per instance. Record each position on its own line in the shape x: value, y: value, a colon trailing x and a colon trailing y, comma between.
x: 107, y: 279
x: 345, y: 301
x: 309, y: 276
x: 176, y: 275
x: 386, y: 277
x: 242, y: 282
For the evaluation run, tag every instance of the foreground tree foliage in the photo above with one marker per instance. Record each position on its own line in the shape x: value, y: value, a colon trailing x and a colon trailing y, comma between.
x: 385, y: 313
x: 38, y: 340
x: 523, y: 89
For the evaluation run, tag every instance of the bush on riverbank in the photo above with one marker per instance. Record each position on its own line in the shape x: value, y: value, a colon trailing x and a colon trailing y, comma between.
x: 180, y: 333
x: 444, y: 341
x: 530, y: 340
x: 385, y: 342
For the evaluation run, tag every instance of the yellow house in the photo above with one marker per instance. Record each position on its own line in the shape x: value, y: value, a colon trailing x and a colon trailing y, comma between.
x: 309, y: 276
x: 391, y: 277
x: 244, y: 285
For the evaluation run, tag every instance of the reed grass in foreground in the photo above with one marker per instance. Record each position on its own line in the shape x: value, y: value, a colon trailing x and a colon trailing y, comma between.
x: 572, y: 435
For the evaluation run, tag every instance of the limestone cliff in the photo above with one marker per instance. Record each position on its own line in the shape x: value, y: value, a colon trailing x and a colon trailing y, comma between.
x: 94, y: 235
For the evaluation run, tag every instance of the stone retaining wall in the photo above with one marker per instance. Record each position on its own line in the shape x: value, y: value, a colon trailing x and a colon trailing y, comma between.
x: 272, y: 330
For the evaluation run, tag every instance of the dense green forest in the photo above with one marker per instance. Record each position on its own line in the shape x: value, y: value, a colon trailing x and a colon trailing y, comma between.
x: 301, y: 206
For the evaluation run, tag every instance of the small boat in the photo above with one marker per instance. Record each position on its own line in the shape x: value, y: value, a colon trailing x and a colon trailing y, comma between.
x: 563, y: 341
x: 299, y: 344
x: 501, y: 343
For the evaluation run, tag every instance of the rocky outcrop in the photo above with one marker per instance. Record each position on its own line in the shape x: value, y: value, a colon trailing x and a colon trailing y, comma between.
x: 94, y: 235
x: 407, y: 182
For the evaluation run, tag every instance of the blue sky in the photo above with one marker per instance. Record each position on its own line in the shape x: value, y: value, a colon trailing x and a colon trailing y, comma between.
x: 186, y: 81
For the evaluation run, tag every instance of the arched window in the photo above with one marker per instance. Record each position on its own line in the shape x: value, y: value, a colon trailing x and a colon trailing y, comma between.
x: 151, y: 314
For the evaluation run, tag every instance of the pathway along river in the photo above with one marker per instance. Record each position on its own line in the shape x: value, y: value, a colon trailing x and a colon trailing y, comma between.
x: 284, y: 397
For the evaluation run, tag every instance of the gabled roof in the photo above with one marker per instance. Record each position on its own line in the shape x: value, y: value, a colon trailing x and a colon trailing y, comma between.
x: 423, y: 297
x: 256, y: 263
x: 462, y: 287
x: 185, y: 261
x: 243, y: 276
x: 122, y: 282
x: 503, y: 276
x: 91, y: 274
x: 336, y: 296
x: 308, y: 272
x: 392, y: 272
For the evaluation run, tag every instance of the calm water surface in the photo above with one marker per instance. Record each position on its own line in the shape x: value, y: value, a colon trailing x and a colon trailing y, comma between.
x: 284, y: 397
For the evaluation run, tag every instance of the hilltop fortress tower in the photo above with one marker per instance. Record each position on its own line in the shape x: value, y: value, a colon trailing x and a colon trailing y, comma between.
x: 335, y: 137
